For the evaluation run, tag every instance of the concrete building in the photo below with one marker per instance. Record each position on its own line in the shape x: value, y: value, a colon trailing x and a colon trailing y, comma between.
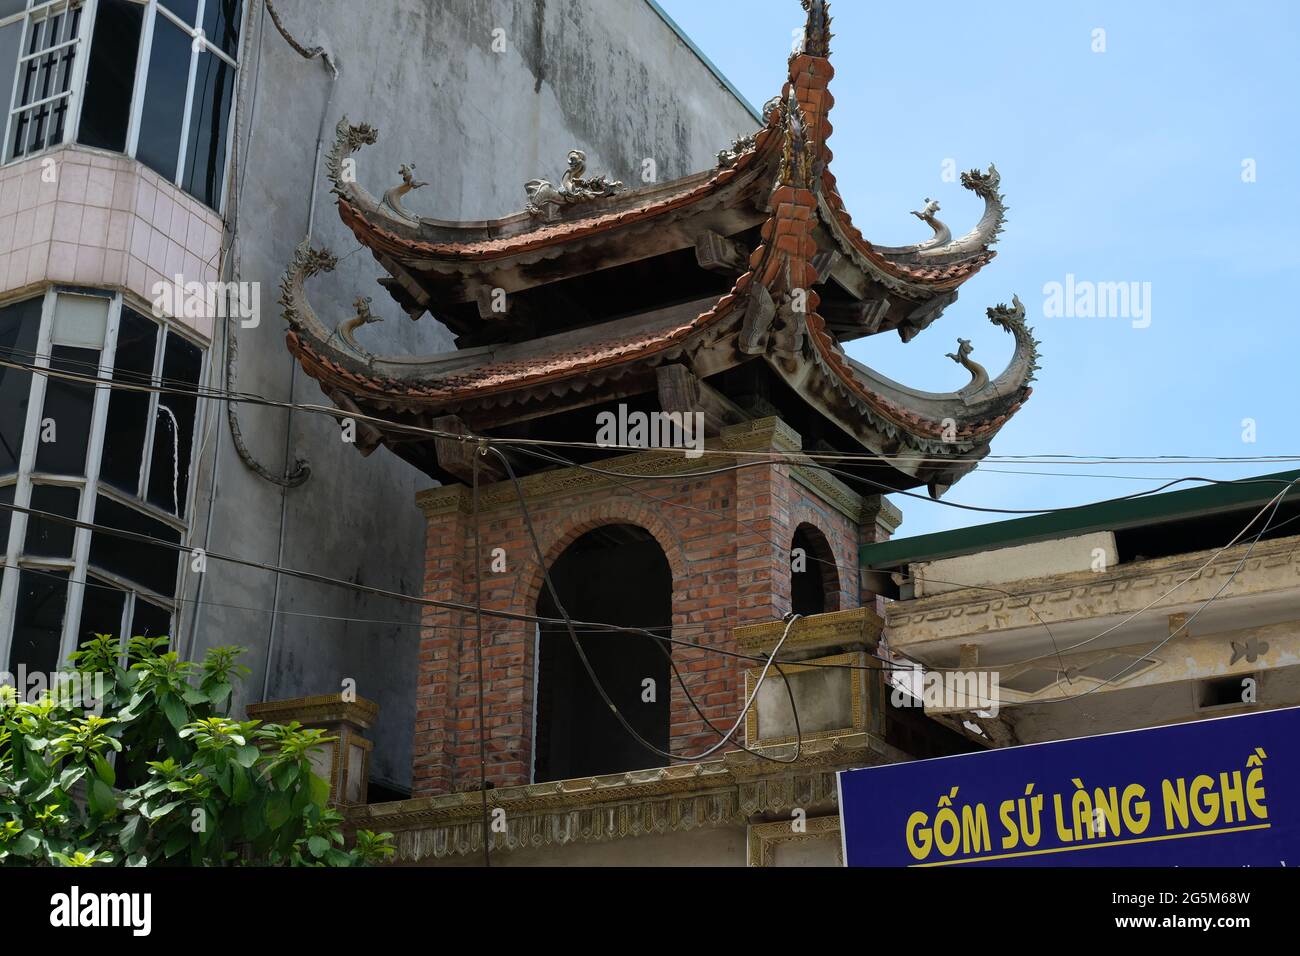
x: 1159, y: 610
x: 150, y: 139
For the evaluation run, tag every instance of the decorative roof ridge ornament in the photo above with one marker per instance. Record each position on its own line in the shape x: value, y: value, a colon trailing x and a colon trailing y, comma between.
x: 797, y: 152
x: 979, y: 376
x: 991, y: 224
x: 306, y: 262
x: 339, y: 165
x: 363, y: 316
x: 942, y: 234
x: 1012, y: 319
x: 393, y: 197
x: 1020, y: 370
x: 545, y: 198
x: 739, y: 147
x: 817, y: 29
x: 985, y: 234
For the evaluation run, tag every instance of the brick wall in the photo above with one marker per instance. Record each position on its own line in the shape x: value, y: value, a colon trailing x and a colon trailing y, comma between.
x: 726, y: 538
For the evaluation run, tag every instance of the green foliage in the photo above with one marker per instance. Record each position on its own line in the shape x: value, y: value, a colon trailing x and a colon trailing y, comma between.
x: 162, y: 776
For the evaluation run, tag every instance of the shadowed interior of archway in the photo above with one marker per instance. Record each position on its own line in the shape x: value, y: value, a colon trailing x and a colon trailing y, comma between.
x: 614, y: 574
x: 814, y: 583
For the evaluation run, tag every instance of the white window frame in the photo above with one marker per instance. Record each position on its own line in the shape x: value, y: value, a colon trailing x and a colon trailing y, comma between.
x: 76, y: 82
x: 80, y: 574
x: 153, y: 9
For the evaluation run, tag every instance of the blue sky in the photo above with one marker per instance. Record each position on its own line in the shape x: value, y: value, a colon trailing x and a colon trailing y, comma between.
x: 1119, y: 166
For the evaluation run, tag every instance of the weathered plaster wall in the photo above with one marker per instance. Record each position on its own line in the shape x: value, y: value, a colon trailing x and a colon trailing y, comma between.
x: 716, y: 846
x: 610, y: 77
x: 1138, y: 707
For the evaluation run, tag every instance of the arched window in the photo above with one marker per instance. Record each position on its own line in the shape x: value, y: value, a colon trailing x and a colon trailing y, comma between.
x: 615, y: 574
x: 814, y: 583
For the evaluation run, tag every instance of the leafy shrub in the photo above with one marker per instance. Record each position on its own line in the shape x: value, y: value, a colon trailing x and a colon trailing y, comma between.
x: 159, y: 774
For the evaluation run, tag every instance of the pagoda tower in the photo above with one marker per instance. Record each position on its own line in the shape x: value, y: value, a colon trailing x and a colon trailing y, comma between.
x: 723, y: 298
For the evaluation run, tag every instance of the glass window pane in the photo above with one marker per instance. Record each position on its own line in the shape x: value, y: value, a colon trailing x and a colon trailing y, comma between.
x: 11, y: 38
x: 10, y: 7
x: 221, y: 20
x: 205, y: 158
x: 110, y: 76
x: 47, y: 538
x: 65, y: 417
x: 80, y: 320
x: 150, y: 620
x: 187, y: 10
x: 101, y: 610
x: 149, y: 565
x: 38, y: 620
x: 164, y: 99
x: 6, y: 519
x: 128, y: 411
x: 19, y: 325
x: 173, y: 430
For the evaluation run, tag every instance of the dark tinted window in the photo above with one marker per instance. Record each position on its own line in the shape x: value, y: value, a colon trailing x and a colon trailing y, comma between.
x: 38, y: 620
x: 6, y: 518
x: 128, y: 411
x: 149, y: 565
x: 47, y: 538
x: 205, y: 157
x: 110, y: 76
x: 169, y: 473
x: 164, y: 99
x: 101, y: 610
x: 19, y: 325
x: 187, y: 10
x: 221, y: 25
x: 65, y: 417
x: 150, y: 620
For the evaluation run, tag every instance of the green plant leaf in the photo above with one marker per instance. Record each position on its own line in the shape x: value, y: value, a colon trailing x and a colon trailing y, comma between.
x: 318, y: 846
x: 277, y: 810
x: 177, y: 841
x: 320, y: 790
x: 131, y: 836
x: 27, y: 844
x: 241, y: 788
x: 104, y: 769
x: 175, y: 711
x: 247, y: 756
x: 100, y: 797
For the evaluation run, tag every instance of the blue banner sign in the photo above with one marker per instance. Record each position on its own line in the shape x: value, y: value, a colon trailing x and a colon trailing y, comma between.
x: 1222, y: 792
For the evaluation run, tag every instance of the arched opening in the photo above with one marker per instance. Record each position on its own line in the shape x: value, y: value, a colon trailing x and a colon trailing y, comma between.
x: 814, y: 581
x: 615, y: 574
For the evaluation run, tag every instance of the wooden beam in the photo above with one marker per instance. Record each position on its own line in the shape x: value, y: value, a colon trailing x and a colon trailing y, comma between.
x: 681, y: 390
x: 719, y: 254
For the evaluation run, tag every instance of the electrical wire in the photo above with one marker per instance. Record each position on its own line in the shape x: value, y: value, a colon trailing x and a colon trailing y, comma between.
x: 805, y: 458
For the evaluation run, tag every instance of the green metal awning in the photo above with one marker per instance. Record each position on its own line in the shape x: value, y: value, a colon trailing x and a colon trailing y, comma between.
x: 1102, y: 516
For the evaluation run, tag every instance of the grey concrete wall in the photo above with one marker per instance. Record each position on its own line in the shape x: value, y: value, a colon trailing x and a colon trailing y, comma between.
x: 608, y: 76
x: 1139, y: 707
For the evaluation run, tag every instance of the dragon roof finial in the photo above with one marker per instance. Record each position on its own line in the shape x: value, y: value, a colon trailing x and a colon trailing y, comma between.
x: 817, y: 28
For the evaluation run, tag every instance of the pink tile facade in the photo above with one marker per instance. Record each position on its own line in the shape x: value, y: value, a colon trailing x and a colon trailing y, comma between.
x: 104, y: 221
